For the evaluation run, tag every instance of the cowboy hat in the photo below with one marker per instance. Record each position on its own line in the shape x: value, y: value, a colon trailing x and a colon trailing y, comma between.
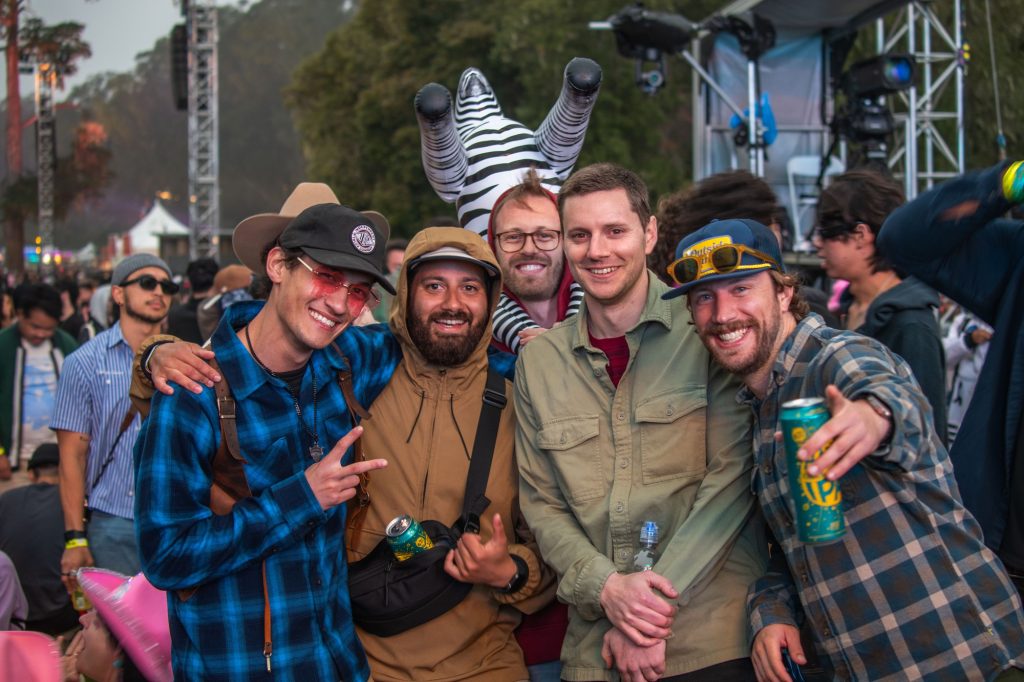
x: 135, y: 612
x: 256, y: 232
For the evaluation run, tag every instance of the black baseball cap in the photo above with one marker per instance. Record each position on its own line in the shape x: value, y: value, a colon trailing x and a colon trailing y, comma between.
x: 46, y: 455
x: 342, y: 238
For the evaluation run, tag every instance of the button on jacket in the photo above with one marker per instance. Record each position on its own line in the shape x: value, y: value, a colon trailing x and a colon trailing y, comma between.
x: 670, y: 444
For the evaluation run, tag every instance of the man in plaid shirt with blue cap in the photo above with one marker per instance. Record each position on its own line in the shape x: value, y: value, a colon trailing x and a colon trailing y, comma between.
x: 910, y: 591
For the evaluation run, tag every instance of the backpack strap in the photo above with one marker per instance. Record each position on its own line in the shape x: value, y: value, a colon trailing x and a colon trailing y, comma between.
x: 358, y: 505
x: 475, y: 501
x: 230, y: 485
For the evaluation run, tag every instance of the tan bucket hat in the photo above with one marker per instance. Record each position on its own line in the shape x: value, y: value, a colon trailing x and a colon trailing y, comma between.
x: 253, y: 234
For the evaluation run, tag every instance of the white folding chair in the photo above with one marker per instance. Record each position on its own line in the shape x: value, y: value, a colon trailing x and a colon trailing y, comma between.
x: 804, y: 170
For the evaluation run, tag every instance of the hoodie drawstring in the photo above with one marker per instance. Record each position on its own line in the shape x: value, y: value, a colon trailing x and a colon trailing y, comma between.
x: 451, y: 406
x: 423, y: 396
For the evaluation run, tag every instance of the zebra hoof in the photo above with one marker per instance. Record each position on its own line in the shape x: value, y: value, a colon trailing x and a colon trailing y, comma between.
x: 584, y: 75
x: 433, y: 101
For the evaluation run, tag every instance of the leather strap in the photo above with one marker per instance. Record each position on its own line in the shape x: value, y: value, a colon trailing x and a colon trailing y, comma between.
x: 358, y: 505
x: 231, y: 485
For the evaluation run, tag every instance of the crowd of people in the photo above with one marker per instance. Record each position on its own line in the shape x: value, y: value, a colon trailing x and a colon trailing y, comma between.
x: 219, y: 470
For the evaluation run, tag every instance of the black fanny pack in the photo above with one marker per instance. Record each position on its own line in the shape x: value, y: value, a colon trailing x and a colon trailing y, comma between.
x: 391, y: 596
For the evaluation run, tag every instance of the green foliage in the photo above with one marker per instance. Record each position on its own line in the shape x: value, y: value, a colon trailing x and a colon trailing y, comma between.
x: 353, y: 99
x: 260, y: 154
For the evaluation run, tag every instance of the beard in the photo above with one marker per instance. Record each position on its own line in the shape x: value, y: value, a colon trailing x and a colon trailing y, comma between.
x: 763, y: 352
x: 534, y: 288
x: 448, y: 350
x: 143, y: 316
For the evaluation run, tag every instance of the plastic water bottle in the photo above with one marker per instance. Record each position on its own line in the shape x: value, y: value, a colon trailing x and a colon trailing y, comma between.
x: 644, y: 559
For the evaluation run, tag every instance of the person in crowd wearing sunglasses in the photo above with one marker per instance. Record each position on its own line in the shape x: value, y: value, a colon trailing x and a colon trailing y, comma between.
x: 525, y: 234
x: 96, y: 427
x: 622, y: 419
x: 910, y: 590
x: 268, y: 581
x: 880, y: 303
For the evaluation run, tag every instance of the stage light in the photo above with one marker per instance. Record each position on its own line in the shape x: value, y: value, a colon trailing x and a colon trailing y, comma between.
x: 878, y: 76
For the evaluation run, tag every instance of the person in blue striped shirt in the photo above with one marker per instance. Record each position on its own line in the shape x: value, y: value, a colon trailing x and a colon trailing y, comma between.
x: 263, y: 590
x: 95, y: 428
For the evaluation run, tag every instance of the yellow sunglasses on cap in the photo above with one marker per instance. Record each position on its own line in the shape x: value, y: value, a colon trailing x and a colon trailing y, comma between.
x: 722, y: 260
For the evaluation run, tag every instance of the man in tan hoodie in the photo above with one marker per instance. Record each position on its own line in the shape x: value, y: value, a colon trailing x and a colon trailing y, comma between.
x: 425, y: 421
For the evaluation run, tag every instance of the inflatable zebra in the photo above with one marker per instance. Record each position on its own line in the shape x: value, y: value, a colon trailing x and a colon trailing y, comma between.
x: 474, y: 154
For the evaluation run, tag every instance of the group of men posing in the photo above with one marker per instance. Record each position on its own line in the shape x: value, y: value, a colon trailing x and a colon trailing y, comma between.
x: 651, y: 404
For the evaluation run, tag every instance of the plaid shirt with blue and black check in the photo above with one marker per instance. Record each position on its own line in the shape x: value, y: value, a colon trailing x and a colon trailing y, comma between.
x: 217, y: 633
x: 910, y: 592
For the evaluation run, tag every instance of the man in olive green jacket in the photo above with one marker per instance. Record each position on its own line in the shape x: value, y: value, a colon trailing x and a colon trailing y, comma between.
x: 623, y: 418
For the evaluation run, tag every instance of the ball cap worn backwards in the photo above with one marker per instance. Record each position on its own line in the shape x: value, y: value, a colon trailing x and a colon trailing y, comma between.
x: 717, y: 233
x: 313, y: 220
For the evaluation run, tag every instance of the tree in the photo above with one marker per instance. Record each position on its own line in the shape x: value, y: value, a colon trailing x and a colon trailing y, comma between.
x: 14, y: 225
x: 353, y: 99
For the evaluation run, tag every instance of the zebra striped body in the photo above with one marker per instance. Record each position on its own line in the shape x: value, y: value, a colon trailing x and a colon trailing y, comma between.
x: 474, y: 153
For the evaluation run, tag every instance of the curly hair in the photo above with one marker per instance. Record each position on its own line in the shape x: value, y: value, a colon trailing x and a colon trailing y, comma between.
x: 732, y: 194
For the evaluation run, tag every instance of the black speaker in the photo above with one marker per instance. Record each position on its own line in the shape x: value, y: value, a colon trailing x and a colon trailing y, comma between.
x: 179, y: 66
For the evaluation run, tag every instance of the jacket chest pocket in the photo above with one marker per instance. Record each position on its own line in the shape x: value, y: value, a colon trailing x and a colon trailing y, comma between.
x: 673, y: 430
x: 573, y: 445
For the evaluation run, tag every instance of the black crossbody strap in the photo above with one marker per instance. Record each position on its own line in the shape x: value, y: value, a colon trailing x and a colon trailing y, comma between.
x: 475, y: 501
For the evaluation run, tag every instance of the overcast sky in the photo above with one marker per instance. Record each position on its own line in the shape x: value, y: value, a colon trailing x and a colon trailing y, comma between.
x: 116, y: 30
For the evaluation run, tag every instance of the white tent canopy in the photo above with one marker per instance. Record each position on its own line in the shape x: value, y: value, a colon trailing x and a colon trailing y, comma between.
x: 144, y: 236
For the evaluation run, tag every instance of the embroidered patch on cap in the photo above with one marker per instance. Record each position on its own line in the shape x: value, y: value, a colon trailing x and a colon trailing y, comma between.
x: 364, y: 239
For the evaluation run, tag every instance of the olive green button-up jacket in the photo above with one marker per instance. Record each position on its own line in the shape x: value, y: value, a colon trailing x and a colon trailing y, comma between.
x: 670, y: 444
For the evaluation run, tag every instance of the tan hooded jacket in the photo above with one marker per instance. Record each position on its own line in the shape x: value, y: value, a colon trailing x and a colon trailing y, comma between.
x: 424, y: 423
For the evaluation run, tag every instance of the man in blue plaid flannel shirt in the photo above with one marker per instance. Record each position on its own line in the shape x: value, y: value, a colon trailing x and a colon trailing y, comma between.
x: 283, y: 548
x: 910, y: 591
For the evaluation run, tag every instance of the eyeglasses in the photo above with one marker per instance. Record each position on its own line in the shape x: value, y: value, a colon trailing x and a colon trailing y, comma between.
x: 149, y: 283
x: 722, y: 260
x: 835, y: 231
x: 544, y: 240
x: 359, y: 294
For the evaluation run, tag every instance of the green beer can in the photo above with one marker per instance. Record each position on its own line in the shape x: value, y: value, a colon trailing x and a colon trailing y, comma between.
x: 819, y: 501
x: 407, y: 537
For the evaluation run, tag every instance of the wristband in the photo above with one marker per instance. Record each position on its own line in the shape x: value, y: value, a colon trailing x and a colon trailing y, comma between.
x: 1013, y: 183
x: 76, y: 542
x: 146, y: 356
x: 70, y: 535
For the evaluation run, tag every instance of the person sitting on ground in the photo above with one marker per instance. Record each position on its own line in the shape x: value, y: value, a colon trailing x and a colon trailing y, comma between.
x: 125, y: 637
x: 32, y: 534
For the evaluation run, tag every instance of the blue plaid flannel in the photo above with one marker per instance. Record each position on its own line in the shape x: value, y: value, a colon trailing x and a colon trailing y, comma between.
x: 217, y: 634
x: 911, y: 591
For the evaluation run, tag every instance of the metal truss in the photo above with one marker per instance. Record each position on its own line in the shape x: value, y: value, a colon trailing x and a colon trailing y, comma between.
x: 931, y: 114
x: 203, y: 154
x: 46, y: 148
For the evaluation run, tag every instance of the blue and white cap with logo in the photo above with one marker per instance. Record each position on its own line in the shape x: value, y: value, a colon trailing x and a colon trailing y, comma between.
x: 701, y: 256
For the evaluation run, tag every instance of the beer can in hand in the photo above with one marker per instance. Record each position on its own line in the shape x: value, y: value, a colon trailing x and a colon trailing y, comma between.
x: 407, y: 537
x: 819, y: 501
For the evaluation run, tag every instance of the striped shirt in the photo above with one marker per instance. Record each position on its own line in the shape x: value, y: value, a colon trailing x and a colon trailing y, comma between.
x: 92, y: 398
x: 910, y: 592
x: 217, y: 634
